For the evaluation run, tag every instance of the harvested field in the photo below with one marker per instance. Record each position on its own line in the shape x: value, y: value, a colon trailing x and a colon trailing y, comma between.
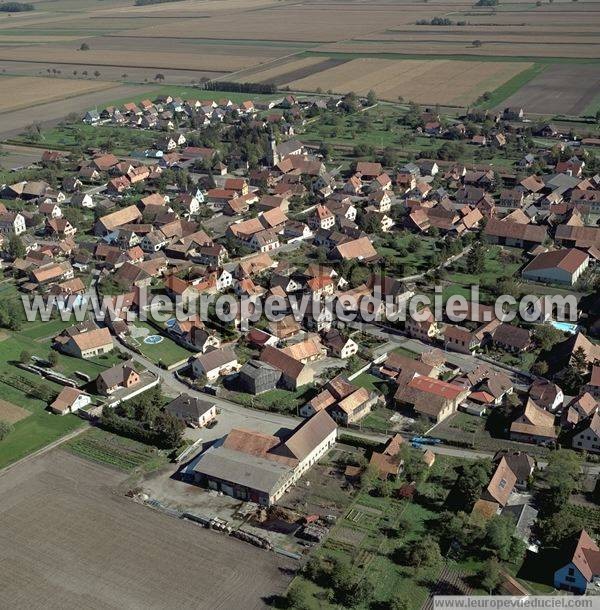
x: 14, y: 122
x: 152, y: 60
x: 12, y: 413
x: 561, y: 89
x: 41, y: 90
x: 132, y: 75
x: 454, y: 83
x: 445, y: 47
x: 68, y: 540
x: 288, y: 72
x: 307, y: 23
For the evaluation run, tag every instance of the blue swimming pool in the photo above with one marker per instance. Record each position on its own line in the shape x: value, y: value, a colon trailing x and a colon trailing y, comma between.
x: 565, y: 327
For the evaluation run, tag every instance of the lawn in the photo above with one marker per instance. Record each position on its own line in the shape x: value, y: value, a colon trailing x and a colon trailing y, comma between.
x: 378, y: 420
x: 121, y: 453
x: 282, y: 401
x: 166, y: 353
x: 21, y: 388
x: 401, y: 260
x: 122, y: 140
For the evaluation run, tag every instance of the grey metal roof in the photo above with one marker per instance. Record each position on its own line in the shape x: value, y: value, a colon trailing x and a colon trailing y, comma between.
x: 243, y: 469
x: 524, y: 516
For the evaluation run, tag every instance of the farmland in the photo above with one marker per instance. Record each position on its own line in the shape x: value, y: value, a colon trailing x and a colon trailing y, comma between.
x: 453, y: 83
x: 60, y: 510
x: 115, y: 451
x: 42, y: 90
x: 391, y: 48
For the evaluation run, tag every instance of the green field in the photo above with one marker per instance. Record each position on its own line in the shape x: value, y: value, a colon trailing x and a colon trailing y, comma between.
x: 20, y: 388
x: 34, y: 432
x: 116, y: 451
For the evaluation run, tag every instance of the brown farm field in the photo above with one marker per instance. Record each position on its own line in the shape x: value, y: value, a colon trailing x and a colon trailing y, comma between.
x: 453, y: 83
x: 275, y: 41
x: 12, y: 413
x: 70, y: 539
x: 42, y: 90
x: 560, y: 89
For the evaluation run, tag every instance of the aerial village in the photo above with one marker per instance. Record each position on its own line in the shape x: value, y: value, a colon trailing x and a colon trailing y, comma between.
x: 309, y: 435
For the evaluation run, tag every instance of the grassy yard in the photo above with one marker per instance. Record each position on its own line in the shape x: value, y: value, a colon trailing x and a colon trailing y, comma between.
x: 167, y: 352
x: 378, y: 420
x: 498, y: 263
x: 123, y: 140
x: 121, y: 453
x: 401, y: 260
x: 281, y: 401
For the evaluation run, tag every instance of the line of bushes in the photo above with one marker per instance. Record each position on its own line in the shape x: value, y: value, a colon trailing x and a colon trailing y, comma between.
x: 222, y: 85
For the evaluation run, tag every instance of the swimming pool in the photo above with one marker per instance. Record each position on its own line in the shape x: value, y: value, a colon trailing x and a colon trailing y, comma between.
x: 153, y: 339
x: 565, y: 327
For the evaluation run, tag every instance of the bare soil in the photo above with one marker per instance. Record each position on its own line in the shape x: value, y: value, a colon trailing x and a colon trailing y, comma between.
x: 70, y: 539
x: 561, y: 89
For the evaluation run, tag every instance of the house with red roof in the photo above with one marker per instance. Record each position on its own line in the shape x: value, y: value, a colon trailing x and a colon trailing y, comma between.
x: 431, y: 398
x: 581, y: 570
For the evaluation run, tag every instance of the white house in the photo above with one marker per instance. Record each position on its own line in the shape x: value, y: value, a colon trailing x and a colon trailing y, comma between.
x: 70, y: 400
x: 215, y: 363
x: 588, y: 437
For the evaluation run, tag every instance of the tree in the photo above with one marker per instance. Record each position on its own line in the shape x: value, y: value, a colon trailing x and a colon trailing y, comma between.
x: 579, y: 361
x: 425, y: 553
x: 398, y: 603
x: 170, y: 429
x: 476, y: 259
x: 25, y: 357
x: 53, y: 358
x: 97, y: 74
x: 5, y: 429
x: 16, y: 248
x: 84, y: 46
x: 561, y: 478
x: 540, y: 368
x: 477, y: 43
x: 297, y: 597
x: 371, y: 98
x: 159, y: 77
x: 547, y: 336
x: 555, y: 529
x: 498, y: 536
x: 490, y: 575
x: 472, y: 479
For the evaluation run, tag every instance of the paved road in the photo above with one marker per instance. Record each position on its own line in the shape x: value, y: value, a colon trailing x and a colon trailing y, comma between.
x: 234, y: 415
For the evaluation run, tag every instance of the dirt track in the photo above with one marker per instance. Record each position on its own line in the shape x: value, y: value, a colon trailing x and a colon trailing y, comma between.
x: 68, y: 540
